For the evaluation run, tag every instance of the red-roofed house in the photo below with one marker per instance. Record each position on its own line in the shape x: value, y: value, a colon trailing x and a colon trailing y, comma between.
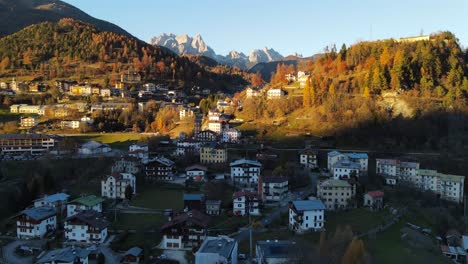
x: 374, y: 200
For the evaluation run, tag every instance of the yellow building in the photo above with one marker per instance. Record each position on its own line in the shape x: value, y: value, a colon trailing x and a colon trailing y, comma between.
x: 213, y: 153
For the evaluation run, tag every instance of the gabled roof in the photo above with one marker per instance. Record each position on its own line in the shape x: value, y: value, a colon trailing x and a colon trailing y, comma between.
x: 39, y: 213
x: 244, y: 193
x: 54, y: 198
x: 275, y: 179
x: 196, y: 167
x: 64, y: 255
x: 193, y: 197
x: 347, y: 164
x: 90, y: 200
x: 193, y: 216
x: 309, y: 151
x: 221, y: 245
x: 308, y: 205
x: 375, y: 194
x: 134, y: 251
x: 354, y: 155
x: 213, y: 202
x: 90, y: 218
x: 245, y: 162
x: 334, y: 153
x: 334, y: 183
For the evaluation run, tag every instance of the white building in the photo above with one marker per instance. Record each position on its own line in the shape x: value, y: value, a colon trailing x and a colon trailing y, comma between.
x: 245, y: 172
x: 72, y: 124
x: 28, y: 121
x: 447, y: 187
x: 251, y: 93
x: 336, y: 194
x: 196, y: 172
x: 138, y: 146
x: 222, y: 249
x: 346, y: 169
x: 126, y: 165
x: 231, y: 135
x: 93, y: 148
x: 57, y: 201
x: 275, y: 93
x: 374, y: 200
x: 36, y: 222
x: 84, y: 203
x: 68, y: 255
x: 86, y: 226
x: 185, y: 113
x: 27, y: 109
x: 274, y: 189
x: 308, y: 158
x: 216, y: 126
x: 245, y: 202
x: 276, y: 252
x: 360, y: 158
x: 397, y: 168
x: 308, y: 215
x: 114, y: 186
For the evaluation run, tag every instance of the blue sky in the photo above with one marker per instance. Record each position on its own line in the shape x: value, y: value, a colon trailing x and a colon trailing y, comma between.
x: 303, y: 26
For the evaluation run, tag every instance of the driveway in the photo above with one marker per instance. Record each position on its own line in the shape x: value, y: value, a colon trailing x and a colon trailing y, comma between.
x: 178, y: 255
x: 9, y: 255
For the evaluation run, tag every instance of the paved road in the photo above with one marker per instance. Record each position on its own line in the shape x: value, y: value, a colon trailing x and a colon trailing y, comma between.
x: 9, y: 255
x: 111, y: 256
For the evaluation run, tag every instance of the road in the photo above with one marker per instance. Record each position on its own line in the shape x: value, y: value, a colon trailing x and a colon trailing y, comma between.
x: 9, y: 255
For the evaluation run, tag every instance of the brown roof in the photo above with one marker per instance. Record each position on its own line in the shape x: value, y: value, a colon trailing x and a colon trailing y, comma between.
x: 90, y: 218
x: 194, y: 216
x: 245, y: 193
x: 375, y: 194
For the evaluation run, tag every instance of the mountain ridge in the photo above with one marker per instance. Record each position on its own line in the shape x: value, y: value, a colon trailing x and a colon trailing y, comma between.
x: 18, y: 14
x: 184, y: 44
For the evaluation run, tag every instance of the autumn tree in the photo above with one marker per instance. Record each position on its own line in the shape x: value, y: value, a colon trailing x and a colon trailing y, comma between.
x: 256, y: 79
x: 355, y: 253
x: 307, y: 95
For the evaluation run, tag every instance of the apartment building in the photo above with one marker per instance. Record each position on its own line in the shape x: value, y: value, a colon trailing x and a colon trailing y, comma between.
x: 336, y: 194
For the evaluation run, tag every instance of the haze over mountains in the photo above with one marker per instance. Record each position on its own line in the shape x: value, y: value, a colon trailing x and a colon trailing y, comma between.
x: 185, y: 44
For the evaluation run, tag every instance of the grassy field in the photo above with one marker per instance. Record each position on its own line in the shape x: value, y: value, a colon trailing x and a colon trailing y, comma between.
x: 6, y: 116
x: 115, y: 140
x: 360, y: 220
x: 387, y: 247
x: 155, y: 197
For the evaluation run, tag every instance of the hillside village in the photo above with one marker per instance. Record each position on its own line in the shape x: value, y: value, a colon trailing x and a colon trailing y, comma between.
x: 231, y: 202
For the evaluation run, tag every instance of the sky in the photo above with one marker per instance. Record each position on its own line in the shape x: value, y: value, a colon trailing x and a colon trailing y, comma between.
x: 302, y: 26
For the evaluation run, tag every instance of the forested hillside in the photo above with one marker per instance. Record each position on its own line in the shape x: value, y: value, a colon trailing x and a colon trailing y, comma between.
x: 73, y: 49
x: 401, y: 94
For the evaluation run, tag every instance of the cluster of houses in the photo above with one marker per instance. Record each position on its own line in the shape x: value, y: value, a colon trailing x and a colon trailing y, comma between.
x: 446, y: 186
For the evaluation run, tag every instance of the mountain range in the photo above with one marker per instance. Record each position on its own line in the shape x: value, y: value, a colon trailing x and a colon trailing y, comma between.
x: 18, y: 14
x: 186, y: 45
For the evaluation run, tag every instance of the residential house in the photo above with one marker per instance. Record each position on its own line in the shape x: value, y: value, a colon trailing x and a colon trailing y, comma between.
x: 274, y: 189
x: 221, y: 249
x: 194, y: 201
x: 139, y: 150
x: 71, y: 124
x: 374, y: 200
x: 130, y: 78
x: 187, y: 230
x: 222, y: 105
x: 213, y: 207
x: 231, y: 135
x: 275, y: 93
x: 206, y: 136
x: 397, y: 168
x: 34, y: 144
x: 187, y: 147
x: 245, y: 172
x: 446, y: 186
x: 276, y: 252
x: 336, y: 194
x: 196, y: 172
x: 84, y: 203
x: 185, y: 113
x: 114, y: 186
x: 308, y: 158
x: 94, y: 148
x: 57, y: 201
x: 126, y: 165
x: 87, y: 226
x: 251, y: 93
x: 345, y: 169
x: 28, y: 121
x: 362, y: 159
x: 216, y: 126
x: 105, y: 92
x: 67, y: 255
x: 245, y: 203
x: 159, y: 169
x: 133, y: 256
x: 308, y: 215
x: 35, y: 222
x: 457, y: 254
x: 213, y: 153
x: 26, y: 109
